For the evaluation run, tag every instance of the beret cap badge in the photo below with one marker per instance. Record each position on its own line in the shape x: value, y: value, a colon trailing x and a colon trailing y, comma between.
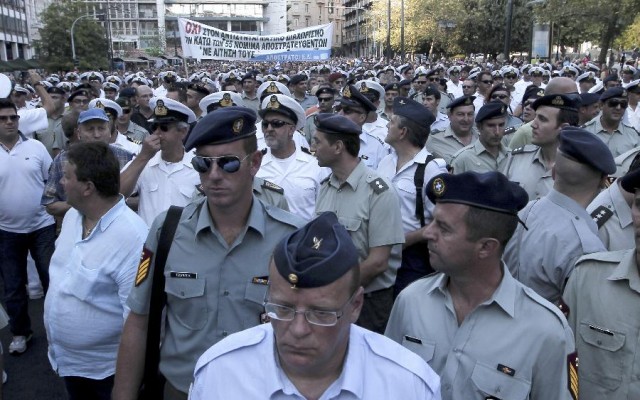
x: 237, y: 125
x: 558, y: 101
x: 316, y: 243
x: 438, y: 186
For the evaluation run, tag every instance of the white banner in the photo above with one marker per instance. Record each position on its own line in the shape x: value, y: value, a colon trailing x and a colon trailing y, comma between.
x: 204, y: 42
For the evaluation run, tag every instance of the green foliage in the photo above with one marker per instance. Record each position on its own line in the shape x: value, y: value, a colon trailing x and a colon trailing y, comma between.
x: 630, y: 38
x: 54, y: 49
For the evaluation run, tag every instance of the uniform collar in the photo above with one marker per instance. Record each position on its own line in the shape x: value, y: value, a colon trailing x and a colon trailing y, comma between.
x: 111, y: 215
x: 186, y: 159
x: 627, y: 270
x: 256, y: 219
x: 353, y: 179
x: 619, y: 203
x: 570, y: 205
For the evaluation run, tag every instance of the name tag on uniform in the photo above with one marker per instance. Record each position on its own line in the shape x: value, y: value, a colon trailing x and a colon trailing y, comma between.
x: 183, y: 275
x: 412, y: 339
x: 260, y: 280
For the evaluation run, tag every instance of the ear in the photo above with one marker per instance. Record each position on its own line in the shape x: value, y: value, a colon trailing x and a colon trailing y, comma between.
x: 562, y: 126
x: 256, y: 161
x: 488, y: 247
x: 88, y: 188
x: 356, y: 304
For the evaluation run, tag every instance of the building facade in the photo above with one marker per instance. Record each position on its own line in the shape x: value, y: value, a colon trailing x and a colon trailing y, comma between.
x: 14, y: 31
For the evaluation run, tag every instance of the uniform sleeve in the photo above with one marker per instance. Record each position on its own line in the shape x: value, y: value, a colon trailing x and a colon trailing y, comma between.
x: 33, y: 120
x: 570, y: 298
x: 520, y: 138
x: 126, y: 274
x: 395, y: 324
x: 458, y: 163
x: 385, y: 224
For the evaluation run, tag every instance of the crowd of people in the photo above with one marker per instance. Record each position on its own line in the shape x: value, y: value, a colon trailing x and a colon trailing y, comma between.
x: 454, y: 230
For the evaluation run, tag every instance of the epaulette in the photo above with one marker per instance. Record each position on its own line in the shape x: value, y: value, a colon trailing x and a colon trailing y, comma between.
x: 377, y: 138
x: 377, y: 184
x: 305, y: 150
x: 325, y: 180
x: 263, y: 151
x: 138, y: 142
x: 510, y: 130
x: 199, y: 188
x: 272, y: 186
x: 524, y: 149
x: 601, y: 215
x: 436, y: 131
x: 604, y: 256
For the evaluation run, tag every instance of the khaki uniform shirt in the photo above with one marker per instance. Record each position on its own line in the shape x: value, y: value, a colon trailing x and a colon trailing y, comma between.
x: 521, y: 137
x: 612, y: 214
x: 444, y: 144
x: 525, y: 166
x: 621, y: 140
x: 476, y: 158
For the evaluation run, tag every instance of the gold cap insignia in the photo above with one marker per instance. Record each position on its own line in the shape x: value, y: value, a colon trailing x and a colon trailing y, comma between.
x: 316, y: 243
x: 237, y: 125
x: 468, y: 101
x: 624, y: 93
x: 272, y: 88
x: 99, y: 105
x: 540, y: 93
x: 160, y: 110
x: 226, y: 101
x: 438, y: 186
x: 273, y: 104
x: 557, y: 101
x: 293, y: 279
x: 232, y: 75
x: 346, y: 92
x: 364, y: 88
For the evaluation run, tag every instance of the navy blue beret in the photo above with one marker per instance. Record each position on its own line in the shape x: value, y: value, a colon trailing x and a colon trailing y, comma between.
x: 411, y: 109
x: 317, y: 254
x: 223, y: 125
x: 613, y: 92
x: 586, y: 148
x: 561, y: 101
x: 461, y: 101
x: 392, y: 86
x: 489, y: 190
x: 432, y: 90
x: 353, y: 98
x: 610, y: 78
x: 493, y: 109
x: 297, y: 79
x: 327, y: 90
x: 404, y: 82
x: 631, y: 180
x: 532, y: 92
x: 587, y: 99
x: 335, y: 124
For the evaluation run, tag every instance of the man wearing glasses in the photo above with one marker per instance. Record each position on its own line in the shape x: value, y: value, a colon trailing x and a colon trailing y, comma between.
x: 125, y: 126
x: 454, y: 86
x: 218, y: 266
x: 618, y: 135
x: 312, y: 349
x: 114, y: 111
x: 326, y: 95
x: 484, y: 81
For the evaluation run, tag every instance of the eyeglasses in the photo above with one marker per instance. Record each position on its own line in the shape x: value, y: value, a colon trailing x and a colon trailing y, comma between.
x: 162, y: 127
x: 314, y: 317
x: 126, y: 110
x: 467, y: 87
x: 276, y: 123
x: 6, y: 118
x: 614, y: 103
x: 499, y: 96
x: 229, y: 164
x: 487, y: 82
x: 433, y: 79
x: 81, y: 101
x: 422, y: 82
x: 527, y: 104
x: 510, y: 76
x: 325, y: 99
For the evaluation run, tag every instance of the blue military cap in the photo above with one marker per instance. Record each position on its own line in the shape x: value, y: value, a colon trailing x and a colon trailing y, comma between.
x: 489, y: 190
x: 431, y: 90
x: 587, y: 99
x: 411, y: 109
x: 92, y: 114
x: 532, y: 92
x: 493, y: 109
x: 351, y: 97
x: 325, y: 90
x: 317, y: 254
x: 335, y: 124
x: 562, y: 101
x: 392, y: 86
x: 404, y: 82
x: 297, y: 79
x: 461, y: 101
x: 224, y: 125
x: 613, y: 92
x: 631, y: 180
x: 586, y: 148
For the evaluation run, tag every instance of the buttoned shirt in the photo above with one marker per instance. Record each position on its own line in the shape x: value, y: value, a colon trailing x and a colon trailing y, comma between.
x: 299, y: 138
x: 300, y: 178
x: 624, y: 138
x: 127, y: 144
x: 306, y: 102
x: 369, y: 209
x: 91, y: 279
x: 135, y: 132
x: 559, y: 232
x: 48, y: 136
x: 478, y: 102
x: 525, y: 167
x: 444, y: 144
x: 403, y: 181
x: 441, y: 123
x: 224, y: 288
x: 162, y: 185
x: 377, y: 128
x: 612, y: 214
x: 476, y: 158
x: 633, y: 116
x: 603, y: 296
x: 251, y: 102
x: 372, y: 149
x: 455, y: 90
x: 514, y: 345
x: 373, y: 368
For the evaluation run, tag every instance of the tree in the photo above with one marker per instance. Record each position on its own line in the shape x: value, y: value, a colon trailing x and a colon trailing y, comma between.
x: 630, y: 38
x: 90, y: 37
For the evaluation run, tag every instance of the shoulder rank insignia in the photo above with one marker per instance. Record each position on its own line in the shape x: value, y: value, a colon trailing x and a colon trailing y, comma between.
x: 378, y: 185
x: 510, y: 130
x: 572, y: 374
x: 144, y: 266
x: 272, y: 186
x: 305, y: 150
x: 138, y: 142
x: 264, y: 151
x: 601, y: 215
x: 199, y: 188
x: 519, y: 150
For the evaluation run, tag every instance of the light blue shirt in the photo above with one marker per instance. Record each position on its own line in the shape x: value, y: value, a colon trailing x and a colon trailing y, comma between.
x: 245, y: 366
x: 90, y: 280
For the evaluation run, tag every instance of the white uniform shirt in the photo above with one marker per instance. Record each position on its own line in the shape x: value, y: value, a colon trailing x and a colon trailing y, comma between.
x: 441, y: 123
x: 377, y: 128
x: 298, y: 137
x: 125, y: 143
x: 162, y: 185
x: 372, y: 150
x: 300, y: 178
x: 455, y: 90
x: 32, y: 120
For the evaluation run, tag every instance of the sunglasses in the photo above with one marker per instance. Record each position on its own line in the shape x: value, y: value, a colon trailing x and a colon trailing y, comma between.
x: 276, y: 123
x: 527, y: 104
x: 613, y: 103
x: 81, y: 101
x: 487, y: 82
x: 12, y: 118
x: 510, y: 76
x: 433, y: 79
x: 499, y: 96
x: 325, y: 99
x: 228, y: 164
x: 162, y: 127
x: 126, y: 110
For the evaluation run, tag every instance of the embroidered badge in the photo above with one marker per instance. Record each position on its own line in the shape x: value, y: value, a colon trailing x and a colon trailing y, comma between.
x: 237, y: 125
x: 143, y: 267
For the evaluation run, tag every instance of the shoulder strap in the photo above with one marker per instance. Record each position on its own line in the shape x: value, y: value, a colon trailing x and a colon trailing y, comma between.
x: 158, y: 296
x: 418, y: 181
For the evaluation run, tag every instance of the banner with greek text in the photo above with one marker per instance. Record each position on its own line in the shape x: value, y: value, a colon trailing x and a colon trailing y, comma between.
x: 204, y: 42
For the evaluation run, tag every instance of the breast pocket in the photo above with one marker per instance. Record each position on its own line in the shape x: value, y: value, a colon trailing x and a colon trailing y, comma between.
x: 151, y: 187
x: 187, y: 301
x: 425, y: 350
x: 491, y: 383
x: 82, y: 283
x: 602, y: 362
x: 254, y: 296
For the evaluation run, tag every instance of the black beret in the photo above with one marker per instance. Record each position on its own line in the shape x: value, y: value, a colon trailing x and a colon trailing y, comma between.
x: 352, y: 97
x: 248, y: 75
x: 55, y: 90
x: 404, y: 82
x: 631, y: 180
x: 493, y: 109
x: 610, y: 78
x: 587, y: 99
x: 127, y: 92
x: 411, y: 109
x: 432, y: 90
x: 532, y: 92
x: 336, y: 124
x: 325, y: 89
x: 317, y: 254
x: 392, y: 86
x: 489, y: 190
x: 461, y: 101
x: 200, y: 88
x: 561, y: 101
x: 297, y: 79
x: 586, y: 148
x: 223, y: 125
x: 613, y: 92
x: 81, y: 92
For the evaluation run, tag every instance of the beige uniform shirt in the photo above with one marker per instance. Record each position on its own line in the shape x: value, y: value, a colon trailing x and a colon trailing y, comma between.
x: 621, y: 140
x: 525, y: 166
x: 476, y: 158
x: 444, y: 144
x: 612, y: 214
x: 521, y: 137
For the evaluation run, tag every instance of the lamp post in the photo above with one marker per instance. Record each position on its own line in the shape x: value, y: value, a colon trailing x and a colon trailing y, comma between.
x: 73, y: 45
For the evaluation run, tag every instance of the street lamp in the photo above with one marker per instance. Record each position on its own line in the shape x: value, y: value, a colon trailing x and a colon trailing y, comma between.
x: 73, y: 45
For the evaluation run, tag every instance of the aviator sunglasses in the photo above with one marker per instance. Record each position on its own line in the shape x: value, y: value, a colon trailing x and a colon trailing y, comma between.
x: 229, y: 164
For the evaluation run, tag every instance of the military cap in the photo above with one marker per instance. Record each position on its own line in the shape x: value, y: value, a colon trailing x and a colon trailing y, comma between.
x: 55, y: 90
x: 71, y: 76
x: 493, y: 109
x: 80, y: 92
x: 587, y: 99
x: 20, y: 89
x: 272, y: 87
x: 431, y: 90
x: 404, y: 82
x: 127, y: 92
x: 169, y: 110
x: 95, y: 76
x: 353, y: 98
x: 532, y: 92
x: 336, y: 124
x: 317, y: 254
x: 592, y: 67
x: 628, y: 69
x: 568, y: 69
x: 283, y: 78
x: 632, y: 86
x: 411, y: 109
x: 224, y: 125
x: 586, y: 148
x: 587, y: 75
x: 610, y: 78
x: 92, y: 114
x: 461, y: 102
x: 230, y: 77
x: 220, y: 99
x: 335, y: 76
x: 123, y: 102
x: 631, y: 180
x: 107, y: 105
x: 248, y: 75
x: 561, y: 101
x: 114, y: 79
x: 404, y: 67
x: 454, y: 69
x: 110, y: 86
x: 297, y: 79
x: 285, y: 105
x: 326, y: 90
x: 370, y: 86
x: 65, y: 86
x: 392, y: 86
x: 199, y: 88
x: 613, y: 92
x: 536, y: 71
x: 489, y: 190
